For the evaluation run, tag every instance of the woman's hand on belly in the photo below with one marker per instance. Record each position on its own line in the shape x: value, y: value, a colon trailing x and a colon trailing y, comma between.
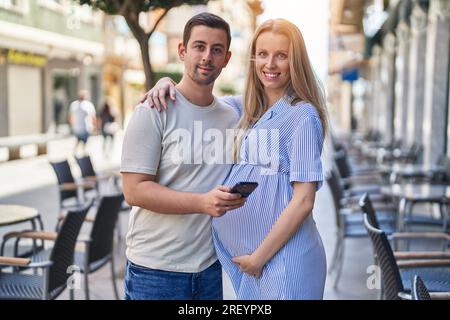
x: 249, y: 264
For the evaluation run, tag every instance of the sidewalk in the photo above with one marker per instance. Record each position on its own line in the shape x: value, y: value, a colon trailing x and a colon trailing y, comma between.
x: 32, y: 182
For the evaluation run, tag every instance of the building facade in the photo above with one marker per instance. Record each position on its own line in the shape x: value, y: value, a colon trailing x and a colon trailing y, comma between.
x: 49, y: 50
x: 404, y: 70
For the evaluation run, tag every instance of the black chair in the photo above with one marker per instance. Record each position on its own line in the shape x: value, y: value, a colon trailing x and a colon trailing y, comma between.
x: 68, y: 188
x: 366, y: 206
x: 89, y: 174
x: 407, y: 154
x: 54, y: 278
x: 349, y: 223
x: 98, y: 246
x: 396, y: 275
x: 367, y: 181
x: 419, y: 290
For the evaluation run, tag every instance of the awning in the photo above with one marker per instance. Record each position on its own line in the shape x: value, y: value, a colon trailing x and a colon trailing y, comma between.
x: 28, y: 39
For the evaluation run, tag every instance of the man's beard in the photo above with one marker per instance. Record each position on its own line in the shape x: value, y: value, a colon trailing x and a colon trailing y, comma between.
x: 197, y: 78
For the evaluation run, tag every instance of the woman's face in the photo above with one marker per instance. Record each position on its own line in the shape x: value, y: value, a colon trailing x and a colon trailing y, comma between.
x: 272, y: 62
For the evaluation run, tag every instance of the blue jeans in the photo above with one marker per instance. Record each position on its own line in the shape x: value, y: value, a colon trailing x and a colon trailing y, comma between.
x: 143, y: 283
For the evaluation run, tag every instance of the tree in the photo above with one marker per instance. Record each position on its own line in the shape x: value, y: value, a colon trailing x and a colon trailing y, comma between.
x: 130, y: 10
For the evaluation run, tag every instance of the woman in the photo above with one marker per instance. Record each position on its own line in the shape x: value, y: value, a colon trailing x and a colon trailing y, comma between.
x: 270, y: 247
x: 108, y: 123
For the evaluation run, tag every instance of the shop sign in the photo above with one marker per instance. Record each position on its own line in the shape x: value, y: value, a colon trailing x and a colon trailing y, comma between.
x: 18, y: 57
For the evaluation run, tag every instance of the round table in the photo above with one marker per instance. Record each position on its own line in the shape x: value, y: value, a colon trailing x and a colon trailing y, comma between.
x: 397, y: 172
x: 12, y: 214
x: 411, y: 194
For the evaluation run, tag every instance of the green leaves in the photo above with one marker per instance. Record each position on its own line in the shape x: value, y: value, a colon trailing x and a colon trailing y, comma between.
x: 136, y: 6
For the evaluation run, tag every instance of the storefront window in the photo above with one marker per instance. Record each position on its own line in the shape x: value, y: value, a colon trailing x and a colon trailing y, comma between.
x: 64, y: 92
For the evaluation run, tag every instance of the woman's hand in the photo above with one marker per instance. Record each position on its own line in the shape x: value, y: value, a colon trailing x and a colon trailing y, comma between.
x: 157, y: 96
x: 249, y: 264
x: 219, y: 200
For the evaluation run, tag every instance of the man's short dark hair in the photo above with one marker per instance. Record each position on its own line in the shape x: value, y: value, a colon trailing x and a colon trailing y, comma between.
x: 209, y: 20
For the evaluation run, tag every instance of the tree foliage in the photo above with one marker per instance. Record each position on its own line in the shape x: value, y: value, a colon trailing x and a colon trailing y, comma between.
x: 130, y: 10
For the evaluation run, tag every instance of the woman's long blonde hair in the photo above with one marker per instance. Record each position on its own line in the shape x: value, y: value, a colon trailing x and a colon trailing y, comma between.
x: 303, y: 85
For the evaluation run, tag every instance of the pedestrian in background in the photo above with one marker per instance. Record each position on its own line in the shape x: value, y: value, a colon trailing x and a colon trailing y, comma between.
x: 82, y: 119
x: 108, y: 124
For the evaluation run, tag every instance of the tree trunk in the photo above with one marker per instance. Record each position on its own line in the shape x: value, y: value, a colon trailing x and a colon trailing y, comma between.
x: 143, y: 44
x: 142, y: 38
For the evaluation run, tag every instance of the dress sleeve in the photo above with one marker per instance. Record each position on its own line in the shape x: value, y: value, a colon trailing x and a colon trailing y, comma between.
x: 233, y: 101
x: 305, y: 151
x: 141, y: 150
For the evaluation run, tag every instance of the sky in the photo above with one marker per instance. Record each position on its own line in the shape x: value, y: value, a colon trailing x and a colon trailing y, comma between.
x: 312, y: 19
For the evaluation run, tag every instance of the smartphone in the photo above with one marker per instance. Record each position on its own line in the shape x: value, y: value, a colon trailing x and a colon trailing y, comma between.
x: 244, y: 188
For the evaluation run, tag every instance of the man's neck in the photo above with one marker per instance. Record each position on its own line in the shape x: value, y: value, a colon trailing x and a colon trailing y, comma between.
x: 200, y: 95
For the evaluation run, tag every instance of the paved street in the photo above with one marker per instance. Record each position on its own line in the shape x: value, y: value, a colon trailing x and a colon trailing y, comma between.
x: 31, y: 182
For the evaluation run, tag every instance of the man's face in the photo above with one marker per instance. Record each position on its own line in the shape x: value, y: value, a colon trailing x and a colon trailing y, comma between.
x: 205, y: 54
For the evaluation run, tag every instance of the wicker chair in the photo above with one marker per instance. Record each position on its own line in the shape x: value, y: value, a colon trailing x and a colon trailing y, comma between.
x: 349, y: 223
x: 419, y: 290
x: 54, y: 278
x: 68, y: 188
x: 98, y: 246
x: 89, y: 174
x: 396, y: 275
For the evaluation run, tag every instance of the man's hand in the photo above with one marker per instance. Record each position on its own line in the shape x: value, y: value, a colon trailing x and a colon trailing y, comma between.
x: 219, y: 200
x: 157, y: 96
x: 249, y: 264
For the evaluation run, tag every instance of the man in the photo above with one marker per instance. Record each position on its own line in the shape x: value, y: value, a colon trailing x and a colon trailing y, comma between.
x: 168, y: 174
x: 82, y: 119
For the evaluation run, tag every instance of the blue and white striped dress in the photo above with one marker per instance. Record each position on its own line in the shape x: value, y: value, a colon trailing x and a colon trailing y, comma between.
x: 298, y: 269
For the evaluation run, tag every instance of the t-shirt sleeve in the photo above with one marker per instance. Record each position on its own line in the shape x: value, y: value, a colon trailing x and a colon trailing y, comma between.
x: 73, y: 106
x: 233, y: 101
x: 91, y: 109
x: 305, y: 152
x: 141, y: 150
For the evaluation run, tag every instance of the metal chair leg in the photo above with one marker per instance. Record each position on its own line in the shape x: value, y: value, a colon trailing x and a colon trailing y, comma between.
x: 339, y: 266
x: 86, y: 272
x: 86, y: 284
x: 113, y: 276
x: 337, y: 248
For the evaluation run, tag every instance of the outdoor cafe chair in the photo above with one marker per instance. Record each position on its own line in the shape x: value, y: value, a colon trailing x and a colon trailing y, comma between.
x: 68, y: 188
x: 55, y: 270
x: 367, y: 207
x: 88, y: 173
x: 97, y: 249
x: 396, y: 274
x: 419, y: 290
x: 349, y: 223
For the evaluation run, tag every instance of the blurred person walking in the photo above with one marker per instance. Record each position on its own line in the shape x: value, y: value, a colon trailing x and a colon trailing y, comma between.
x: 82, y: 119
x: 108, y: 124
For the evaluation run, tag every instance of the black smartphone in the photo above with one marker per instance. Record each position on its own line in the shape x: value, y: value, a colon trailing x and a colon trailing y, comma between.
x: 244, y: 188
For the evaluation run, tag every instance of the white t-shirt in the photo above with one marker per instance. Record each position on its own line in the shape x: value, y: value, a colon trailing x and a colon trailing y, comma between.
x: 83, y: 111
x: 184, y: 146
